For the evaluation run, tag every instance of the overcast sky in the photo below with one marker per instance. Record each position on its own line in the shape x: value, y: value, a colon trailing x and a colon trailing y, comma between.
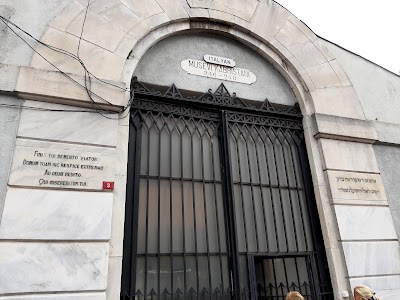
x: 366, y: 27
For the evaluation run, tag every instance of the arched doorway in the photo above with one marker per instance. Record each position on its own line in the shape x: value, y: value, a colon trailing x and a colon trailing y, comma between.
x: 219, y: 203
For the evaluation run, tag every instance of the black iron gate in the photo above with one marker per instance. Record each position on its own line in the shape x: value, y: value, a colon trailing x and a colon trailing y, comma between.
x: 219, y: 200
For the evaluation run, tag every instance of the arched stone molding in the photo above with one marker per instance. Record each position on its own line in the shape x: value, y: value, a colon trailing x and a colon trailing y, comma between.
x: 117, y: 33
x: 115, y: 28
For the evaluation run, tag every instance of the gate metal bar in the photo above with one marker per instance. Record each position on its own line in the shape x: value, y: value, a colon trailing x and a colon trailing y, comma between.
x: 229, y: 208
x: 257, y: 126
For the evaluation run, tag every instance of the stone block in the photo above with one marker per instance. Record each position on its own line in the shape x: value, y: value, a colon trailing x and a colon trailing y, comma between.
x: 300, y: 46
x: 308, y: 84
x: 10, y: 115
x: 372, y: 258
x: 129, y: 69
x: 118, y: 217
x: 323, y: 76
x: 143, y: 8
x: 56, y: 215
x: 315, y: 159
x: 388, y: 133
x: 292, y: 63
x: 110, y: 35
x: 174, y: 9
x: 348, y: 156
x: 242, y: 24
x: 328, y: 222
x: 246, y: 39
x: 122, y: 150
x: 69, y: 13
x: 320, y: 44
x: 8, y: 77
x: 114, y: 277
x: 73, y: 296
x: 110, y: 67
x: 117, y: 13
x: 340, y: 128
x: 156, y: 35
x: 356, y: 188
x: 337, y: 270
x: 268, y: 19
x: 279, y: 48
x: 61, y: 169
x: 67, y: 125
x: 338, y: 101
x: 195, y: 12
x: 240, y: 8
x: 365, y: 223
x: 221, y: 16
x: 303, y: 28
x: 345, y: 81
x: 52, y: 267
x: 50, y: 86
x: 157, y: 20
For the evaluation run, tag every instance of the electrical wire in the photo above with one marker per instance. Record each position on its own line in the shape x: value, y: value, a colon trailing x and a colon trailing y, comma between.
x: 88, y: 74
x: 45, y: 109
x: 65, y: 52
x: 83, y: 26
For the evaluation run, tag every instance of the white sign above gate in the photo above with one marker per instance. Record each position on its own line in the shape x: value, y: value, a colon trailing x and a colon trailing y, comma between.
x: 205, y: 69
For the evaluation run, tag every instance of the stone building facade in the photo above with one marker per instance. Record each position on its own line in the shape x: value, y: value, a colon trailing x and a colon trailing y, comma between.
x: 71, y: 191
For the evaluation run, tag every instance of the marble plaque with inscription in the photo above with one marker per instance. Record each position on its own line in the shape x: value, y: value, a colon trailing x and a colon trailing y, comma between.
x: 243, y: 9
x: 205, y: 69
x: 60, y: 169
x: 356, y: 186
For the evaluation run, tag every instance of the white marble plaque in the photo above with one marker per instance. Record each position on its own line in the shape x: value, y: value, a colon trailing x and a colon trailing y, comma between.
x: 356, y: 186
x: 205, y: 69
x: 212, y: 59
x: 61, y: 169
x: 241, y: 8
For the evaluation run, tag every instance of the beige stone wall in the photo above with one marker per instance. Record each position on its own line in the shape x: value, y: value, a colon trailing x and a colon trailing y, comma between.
x: 116, y: 35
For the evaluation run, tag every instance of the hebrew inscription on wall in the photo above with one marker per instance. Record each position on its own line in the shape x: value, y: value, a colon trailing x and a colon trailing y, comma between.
x: 241, y: 8
x: 61, y: 169
x: 356, y: 186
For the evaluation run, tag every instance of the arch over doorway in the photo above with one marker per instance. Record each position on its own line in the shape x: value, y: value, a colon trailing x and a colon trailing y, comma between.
x: 116, y: 36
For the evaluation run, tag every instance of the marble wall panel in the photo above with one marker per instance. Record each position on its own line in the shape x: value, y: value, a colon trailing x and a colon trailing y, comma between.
x: 348, y: 156
x: 334, y: 127
x: 61, y: 169
x: 57, y: 267
x: 365, y: 223
x: 68, y: 126
x: 56, y: 215
x: 353, y: 186
x: 74, y: 296
x: 385, y: 287
x: 372, y: 258
x: 339, y: 101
